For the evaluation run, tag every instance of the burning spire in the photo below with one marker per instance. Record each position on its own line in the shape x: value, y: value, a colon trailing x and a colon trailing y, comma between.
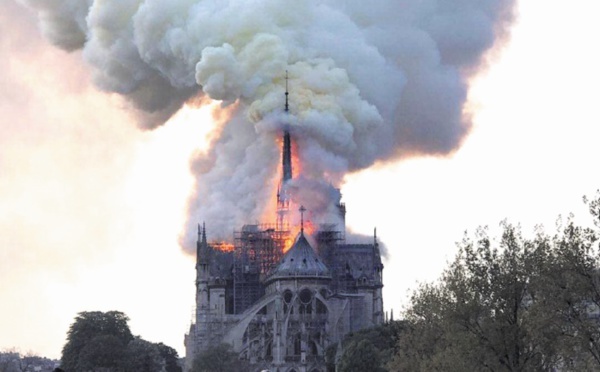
x: 287, y: 147
x: 283, y: 198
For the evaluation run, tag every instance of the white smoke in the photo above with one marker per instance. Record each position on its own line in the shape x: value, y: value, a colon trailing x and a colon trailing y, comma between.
x: 369, y: 81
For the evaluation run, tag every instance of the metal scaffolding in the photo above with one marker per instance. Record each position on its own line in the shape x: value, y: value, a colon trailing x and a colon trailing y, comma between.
x: 258, y: 248
x: 329, y: 239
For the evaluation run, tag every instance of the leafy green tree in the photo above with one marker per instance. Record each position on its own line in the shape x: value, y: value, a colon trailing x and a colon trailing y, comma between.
x: 170, y: 357
x: 478, y: 316
x: 383, y: 337
x: 142, y: 356
x: 88, y: 326
x: 102, y: 342
x: 571, y: 296
x: 102, y: 353
x: 360, y: 356
x: 219, y: 358
x: 512, y: 305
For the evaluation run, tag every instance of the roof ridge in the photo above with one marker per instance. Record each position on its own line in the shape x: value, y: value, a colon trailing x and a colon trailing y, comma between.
x: 301, y: 260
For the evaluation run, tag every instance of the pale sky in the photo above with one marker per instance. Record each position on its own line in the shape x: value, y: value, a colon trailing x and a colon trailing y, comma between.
x: 91, y: 207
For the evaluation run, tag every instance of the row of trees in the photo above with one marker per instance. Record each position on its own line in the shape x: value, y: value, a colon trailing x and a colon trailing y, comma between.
x: 102, y: 341
x: 514, y: 304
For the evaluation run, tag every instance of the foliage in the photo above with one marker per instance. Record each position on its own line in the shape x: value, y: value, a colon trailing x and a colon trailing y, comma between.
x: 100, y: 341
x: 572, y: 294
x: 103, y: 352
x: 219, y: 358
x: 170, y: 357
x: 142, y: 355
x: 360, y: 356
x: 384, y: 339
x: 87, y: 326
x: 512, y: 305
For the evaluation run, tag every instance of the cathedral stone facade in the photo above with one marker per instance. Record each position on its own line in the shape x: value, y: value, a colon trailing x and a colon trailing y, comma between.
x: 281, y: 317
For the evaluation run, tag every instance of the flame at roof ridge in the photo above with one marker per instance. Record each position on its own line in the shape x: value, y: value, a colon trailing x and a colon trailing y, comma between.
x: 300, y: 261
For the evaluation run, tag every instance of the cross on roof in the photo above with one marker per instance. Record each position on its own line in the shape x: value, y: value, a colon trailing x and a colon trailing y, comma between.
x: 302, y: 210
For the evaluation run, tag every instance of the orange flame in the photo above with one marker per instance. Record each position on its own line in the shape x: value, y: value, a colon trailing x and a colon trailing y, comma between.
x: 270, y: 210
x: 296, y: 164
x: 309, y: 229
x: 223, y: 246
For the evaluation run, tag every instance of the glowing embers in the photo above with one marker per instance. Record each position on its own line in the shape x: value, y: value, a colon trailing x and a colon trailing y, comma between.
x: 223, y: 246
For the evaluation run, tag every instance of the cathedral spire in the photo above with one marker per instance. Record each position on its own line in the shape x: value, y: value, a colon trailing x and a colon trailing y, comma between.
x: 287, y: 145
x: 287, y: 93
x: 283, y: 198
x: 287, y: 157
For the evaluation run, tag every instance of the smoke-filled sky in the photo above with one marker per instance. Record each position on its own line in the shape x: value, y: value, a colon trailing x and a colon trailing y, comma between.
x: 432, y: 117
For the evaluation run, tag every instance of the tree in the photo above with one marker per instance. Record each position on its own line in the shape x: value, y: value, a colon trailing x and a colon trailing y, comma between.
x: 170, y: 357
x: 383, y: 337
x: 142, y: 356
x: 360, y: 356
x: 101, y: 353
x: 219, y: 358
x: 101, y: 342
x: 111, y: 327
x: 518, y: 305
x: 572, y: 295
x: 479, y: 315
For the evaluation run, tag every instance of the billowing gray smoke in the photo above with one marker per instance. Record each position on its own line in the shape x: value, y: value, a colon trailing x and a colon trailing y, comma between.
x: 369, y: 81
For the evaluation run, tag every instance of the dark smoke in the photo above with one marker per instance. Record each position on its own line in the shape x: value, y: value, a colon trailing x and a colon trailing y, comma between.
x: 369, y: 81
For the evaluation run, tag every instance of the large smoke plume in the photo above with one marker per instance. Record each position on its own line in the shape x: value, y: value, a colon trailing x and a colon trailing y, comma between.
x: 370, y: 81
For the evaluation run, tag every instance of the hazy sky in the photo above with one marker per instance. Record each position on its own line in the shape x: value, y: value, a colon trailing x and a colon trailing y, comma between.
x: 91, y: 207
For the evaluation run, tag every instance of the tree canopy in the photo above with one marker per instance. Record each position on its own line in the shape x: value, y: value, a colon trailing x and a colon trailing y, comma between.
x: 102, y: 341
x: 510, y: 304
x: 219, y: 358
x: 170, y: 356
x: 111, y: 327
x: 142, y: 355
x: 360, y: 356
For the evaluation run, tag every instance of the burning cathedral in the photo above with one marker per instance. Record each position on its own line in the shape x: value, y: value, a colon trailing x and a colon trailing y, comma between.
x: 281, y: 294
